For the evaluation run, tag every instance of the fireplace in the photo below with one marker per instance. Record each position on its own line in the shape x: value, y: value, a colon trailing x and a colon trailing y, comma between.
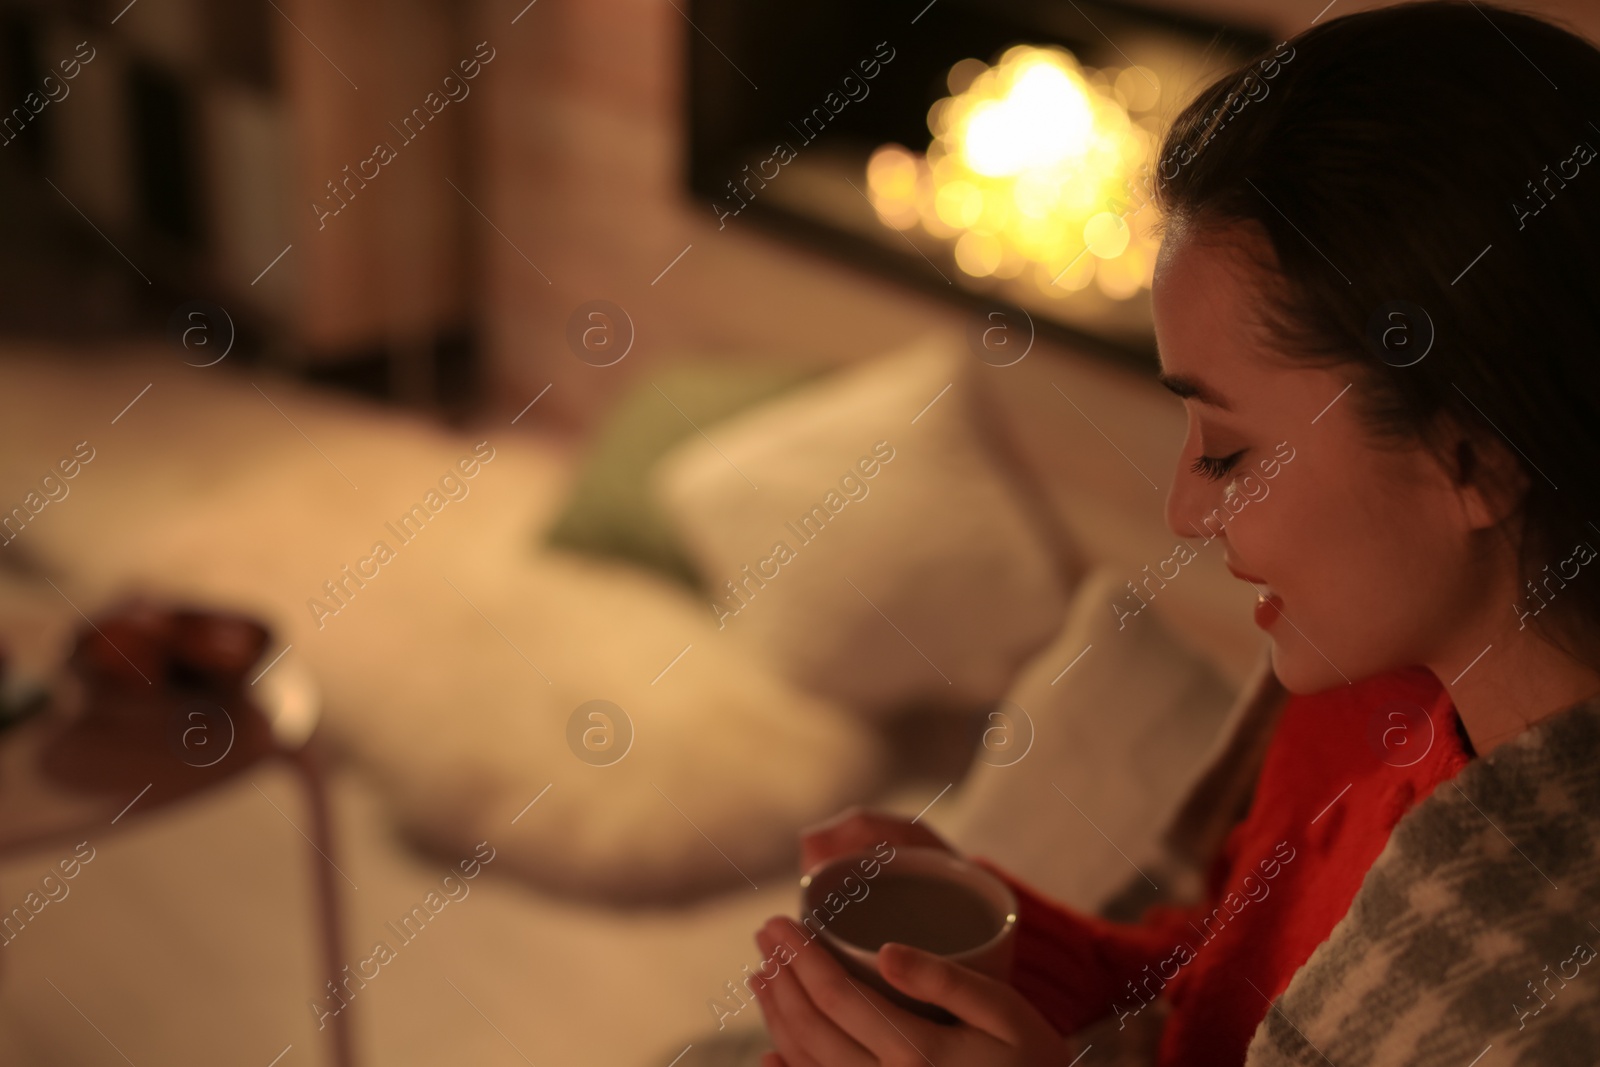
x: 983, y: 150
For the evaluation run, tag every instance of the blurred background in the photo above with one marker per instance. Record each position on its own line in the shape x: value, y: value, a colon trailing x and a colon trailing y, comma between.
x: 477, y: 478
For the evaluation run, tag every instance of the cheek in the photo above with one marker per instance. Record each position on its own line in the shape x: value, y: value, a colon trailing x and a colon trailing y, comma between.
x: 1365, y: 560
x: 1417, y: 551
x: 1310, y: 549
x: 1288, y: 537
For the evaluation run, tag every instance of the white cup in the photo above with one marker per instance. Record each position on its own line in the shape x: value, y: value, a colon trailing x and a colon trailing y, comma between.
x: 847, y: 880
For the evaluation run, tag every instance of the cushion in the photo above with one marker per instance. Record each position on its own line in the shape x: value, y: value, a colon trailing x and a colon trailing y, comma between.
x: 1098, y: 446
x: 1091, y: 751
x: 609, y: 510
x: 453, y: 676
x: 719, y: 763
x: 859, y: 536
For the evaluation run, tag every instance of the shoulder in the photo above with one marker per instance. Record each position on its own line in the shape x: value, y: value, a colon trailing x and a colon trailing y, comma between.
x: 1473, y: 925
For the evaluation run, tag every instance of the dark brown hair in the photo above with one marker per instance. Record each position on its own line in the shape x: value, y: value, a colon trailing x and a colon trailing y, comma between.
x: 1425, y: 174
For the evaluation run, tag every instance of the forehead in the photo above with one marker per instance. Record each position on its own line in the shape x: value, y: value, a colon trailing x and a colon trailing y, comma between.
x: 1205, y: 302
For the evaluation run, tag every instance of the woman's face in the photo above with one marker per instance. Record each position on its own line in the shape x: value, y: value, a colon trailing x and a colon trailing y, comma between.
x: 1375, y: 558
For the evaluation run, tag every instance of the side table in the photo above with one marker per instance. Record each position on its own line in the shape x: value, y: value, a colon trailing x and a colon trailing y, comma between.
x: 65, y: 775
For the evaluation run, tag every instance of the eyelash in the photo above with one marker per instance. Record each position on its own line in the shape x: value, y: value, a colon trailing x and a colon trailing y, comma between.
x: 1214, y: 468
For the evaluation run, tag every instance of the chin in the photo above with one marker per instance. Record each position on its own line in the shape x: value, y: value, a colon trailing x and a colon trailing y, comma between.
x: 1302, y: 669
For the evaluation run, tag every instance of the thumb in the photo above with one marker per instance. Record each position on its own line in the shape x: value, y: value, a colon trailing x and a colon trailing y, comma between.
x: 975, y: 999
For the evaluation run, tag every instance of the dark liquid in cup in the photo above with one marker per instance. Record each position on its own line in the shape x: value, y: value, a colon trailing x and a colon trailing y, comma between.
x: 932, y: 914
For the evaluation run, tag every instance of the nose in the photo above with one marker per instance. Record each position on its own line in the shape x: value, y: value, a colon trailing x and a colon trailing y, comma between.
x: 1194, y: 503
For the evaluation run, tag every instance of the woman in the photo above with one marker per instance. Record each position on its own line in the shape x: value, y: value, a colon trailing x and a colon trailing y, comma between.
x: 1387, y: 262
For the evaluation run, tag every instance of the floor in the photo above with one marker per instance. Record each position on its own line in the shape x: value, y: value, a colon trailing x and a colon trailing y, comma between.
x: 188, y: 939
x: 189, y: 935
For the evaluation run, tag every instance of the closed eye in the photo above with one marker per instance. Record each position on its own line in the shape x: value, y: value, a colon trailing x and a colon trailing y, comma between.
x: 1214, y: 468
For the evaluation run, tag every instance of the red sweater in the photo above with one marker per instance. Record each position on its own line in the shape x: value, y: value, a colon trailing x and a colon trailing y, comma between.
x: 1331, y: 789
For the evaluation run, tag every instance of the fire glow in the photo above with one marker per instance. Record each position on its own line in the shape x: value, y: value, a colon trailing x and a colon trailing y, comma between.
x: 1027, y: 172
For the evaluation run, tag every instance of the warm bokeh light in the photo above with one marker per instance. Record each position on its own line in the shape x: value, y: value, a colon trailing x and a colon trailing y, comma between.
x: 1026, y: 169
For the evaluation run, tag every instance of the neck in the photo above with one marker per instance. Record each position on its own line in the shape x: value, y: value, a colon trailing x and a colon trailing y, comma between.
x: 1504, y: 680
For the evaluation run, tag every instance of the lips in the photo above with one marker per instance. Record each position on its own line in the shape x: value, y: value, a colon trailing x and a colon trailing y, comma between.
x: 1266, y: 591
x: 1269, y: 605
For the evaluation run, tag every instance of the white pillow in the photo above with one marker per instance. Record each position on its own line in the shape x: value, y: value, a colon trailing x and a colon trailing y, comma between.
x: 860, y: 537
x: 1073, y: 791
x: 1097, y: 446
x: 727, y: 762
x: 452, y: 678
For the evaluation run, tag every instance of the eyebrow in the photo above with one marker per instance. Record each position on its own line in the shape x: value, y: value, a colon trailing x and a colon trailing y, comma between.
x: 1192, y: 388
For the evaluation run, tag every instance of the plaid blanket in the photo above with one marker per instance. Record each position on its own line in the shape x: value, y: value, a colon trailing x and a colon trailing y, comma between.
x: 1471, y: 943
x: 1473, y: 938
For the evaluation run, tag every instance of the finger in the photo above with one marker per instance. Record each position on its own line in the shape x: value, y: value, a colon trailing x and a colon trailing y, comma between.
x: 812, y: 1034
x: 803, y: 1037
x: 852, y: 812
x: 858, y: 829
x: 976, y: 999
x: 772, y: 1059
x: 868, y: 1018
x: 785, y: 1041
x: 853, y: 829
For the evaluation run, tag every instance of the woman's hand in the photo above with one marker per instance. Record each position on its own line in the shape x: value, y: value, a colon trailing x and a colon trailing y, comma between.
x: 858, y: 828
x: 818, y: 1016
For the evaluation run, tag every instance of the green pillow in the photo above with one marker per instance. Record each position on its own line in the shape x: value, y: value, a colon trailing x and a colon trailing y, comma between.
x: 610, y: 511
